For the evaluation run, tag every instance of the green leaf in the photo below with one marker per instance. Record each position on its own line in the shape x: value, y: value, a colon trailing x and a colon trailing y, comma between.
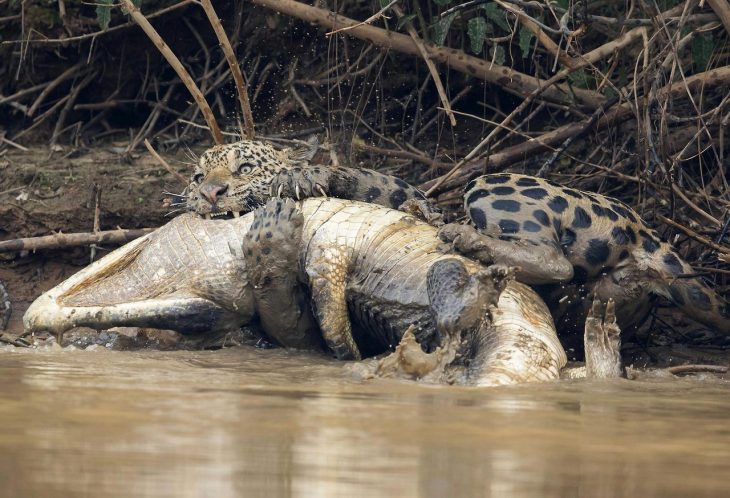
x: 497, y: 53
x: 702, y: 47
x: 476, y: 29
x: 405, y: 20
x: 579, y: 78
x: 441, y: 28
x: 104, y: 13
x: 496, y: 14
x: 526, y: 37
x: 441, y: 3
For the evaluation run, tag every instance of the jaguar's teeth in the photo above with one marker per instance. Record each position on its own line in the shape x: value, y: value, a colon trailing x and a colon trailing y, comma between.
x: 236, y: 214
x: 207, y: 216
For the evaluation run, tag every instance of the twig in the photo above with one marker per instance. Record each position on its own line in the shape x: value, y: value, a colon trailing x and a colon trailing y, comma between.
x: 241, y: 86
x: 369, y: 20
x: 683, y: 369
x: 97, y: 215
x: 691, y: 233
x: 722, y: 9
x: 164, y: 163
x: 71, y: 39
x: 58, y: 129
x: 62, y: 240
x: 429, y: 64
x: 360, y: 144
x: 13, y: 144
x: 534, y: 26
x: 172, y: 59
x: 51, y: 86
x: 587, y: 124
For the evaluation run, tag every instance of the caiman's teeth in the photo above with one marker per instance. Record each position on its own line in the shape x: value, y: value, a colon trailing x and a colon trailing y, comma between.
x: 236, y: 214
x: 207, y: 216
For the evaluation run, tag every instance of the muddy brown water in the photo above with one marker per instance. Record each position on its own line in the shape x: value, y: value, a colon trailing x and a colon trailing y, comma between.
x: 249, y: 422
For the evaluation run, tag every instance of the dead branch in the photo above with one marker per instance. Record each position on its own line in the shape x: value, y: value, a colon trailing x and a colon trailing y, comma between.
x: 541, y: 36
x: 685, y: 369
x: 63, y: 240
x: 172, y: 59
x: 429, y: 64
x: 505, y: 77
x: 694, y: 235
x: 52, y: 86
x: 722, y: 9
x: 241, y: 86
x: 164, y: 163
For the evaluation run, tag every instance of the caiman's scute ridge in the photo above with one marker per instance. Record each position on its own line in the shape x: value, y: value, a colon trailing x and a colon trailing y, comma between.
x: 186, y: 293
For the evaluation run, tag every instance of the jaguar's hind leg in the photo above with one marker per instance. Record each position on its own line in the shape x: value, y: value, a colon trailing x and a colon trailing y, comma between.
x: 271, y: 251
x: 602, y: 342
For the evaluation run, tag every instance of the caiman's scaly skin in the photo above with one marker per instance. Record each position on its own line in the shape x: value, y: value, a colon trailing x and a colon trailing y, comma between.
x: 239, y: 177
x: 561, y: 235
x: 191, y: 276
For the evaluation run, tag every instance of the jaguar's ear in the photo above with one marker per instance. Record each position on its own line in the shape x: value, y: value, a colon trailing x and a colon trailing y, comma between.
x: 305, y: 152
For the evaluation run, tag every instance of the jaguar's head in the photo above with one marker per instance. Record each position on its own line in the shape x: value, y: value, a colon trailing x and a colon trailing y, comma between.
x: 234, y: 178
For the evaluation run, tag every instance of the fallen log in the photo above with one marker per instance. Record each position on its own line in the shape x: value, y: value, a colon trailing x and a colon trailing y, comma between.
x: 62, y: 240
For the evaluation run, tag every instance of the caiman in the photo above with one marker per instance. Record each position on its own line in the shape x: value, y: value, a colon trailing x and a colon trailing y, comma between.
x: 194, y: 275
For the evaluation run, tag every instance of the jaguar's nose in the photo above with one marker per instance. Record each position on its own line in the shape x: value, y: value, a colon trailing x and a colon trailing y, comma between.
x: 212, y: 191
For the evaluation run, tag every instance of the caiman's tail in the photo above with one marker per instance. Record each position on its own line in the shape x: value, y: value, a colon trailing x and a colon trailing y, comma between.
x: 689, y: 293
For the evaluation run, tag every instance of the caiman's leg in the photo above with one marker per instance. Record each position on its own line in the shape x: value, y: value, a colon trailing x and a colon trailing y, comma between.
x: 542, y: 263
x: 602, y: 342
x: 460, y: 301
x: 5, y: 307
x: 327, y: 268
x: 423, y: 209
x: 271, y: 251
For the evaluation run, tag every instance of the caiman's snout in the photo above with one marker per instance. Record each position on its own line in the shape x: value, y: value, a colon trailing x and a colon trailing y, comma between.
x: 212, y: 191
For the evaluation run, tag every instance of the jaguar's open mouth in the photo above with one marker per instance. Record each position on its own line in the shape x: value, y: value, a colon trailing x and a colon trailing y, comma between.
x: 222, y: 215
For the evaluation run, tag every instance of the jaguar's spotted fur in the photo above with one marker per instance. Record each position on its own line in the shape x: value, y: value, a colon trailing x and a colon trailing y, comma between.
x: 239, y: 177
x: 562, y: 235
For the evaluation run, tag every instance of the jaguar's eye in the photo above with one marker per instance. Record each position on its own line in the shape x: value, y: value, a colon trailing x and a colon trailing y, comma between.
x: 198, y: 177
x: 244, y: 169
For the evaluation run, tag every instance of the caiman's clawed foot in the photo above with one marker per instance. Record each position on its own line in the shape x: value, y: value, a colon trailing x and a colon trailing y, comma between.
x: 423, y: 210
x: 5, y: 307
x: 466, y: 240
x: 410, y: 361
x: 602, y: 343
